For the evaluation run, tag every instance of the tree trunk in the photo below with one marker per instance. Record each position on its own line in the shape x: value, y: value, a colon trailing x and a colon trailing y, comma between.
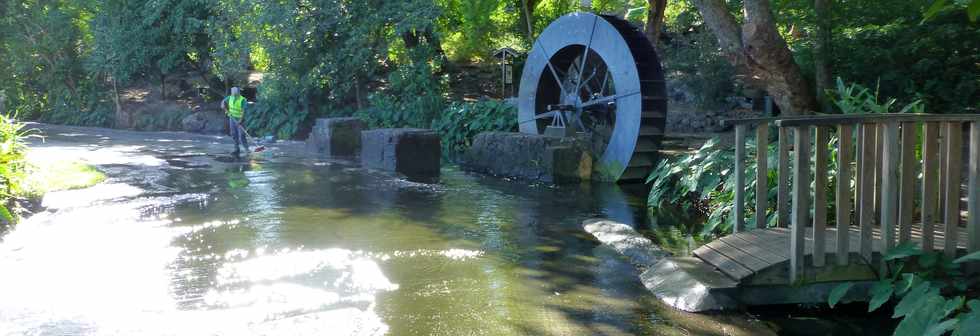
x: 759, y: 53
x: 122, y: 119
x: 655, y: 20
x: 821, y: 53
x: 527, y: 8
x: 357, y: 93
x: 163, y: 86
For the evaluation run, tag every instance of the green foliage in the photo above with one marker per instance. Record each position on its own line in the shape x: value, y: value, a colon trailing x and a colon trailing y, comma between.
x: 703, y: 183
x: 857, y: 99
x: 414, y: 96
x: 972, y: 8
x: 323, y: 60
x: 935, y: 62
x: 461, y: 122
x: 930, y: 298
x: 975, y: 256
x: 43, y: 46
x: 470, y: 26
x: 838, y: 293
x: 13, y: 164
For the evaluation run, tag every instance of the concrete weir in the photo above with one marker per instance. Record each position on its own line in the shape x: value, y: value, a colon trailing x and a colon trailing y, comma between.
x: 691, y: 284
x: 677, y: 281
x: 529, y: 157
x: 413, y: 152
x: 337, y: 136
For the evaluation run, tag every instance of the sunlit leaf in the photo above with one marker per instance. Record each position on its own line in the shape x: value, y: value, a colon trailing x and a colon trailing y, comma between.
x: 881, y: 292
x: 903, y: 250
x: 969, y: 321
x: 935, y: 8
x: 975, y: 256
x: 925, y: 318
x: 908, y: 281
x: 914, y: 299
x: 838, y: 293
x: 973, y: 10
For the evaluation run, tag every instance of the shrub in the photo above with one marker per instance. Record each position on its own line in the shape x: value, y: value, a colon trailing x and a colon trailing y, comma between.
x: 930, y: 291
x: 461, y: 122
x: 414, y: 96
x: 12, y: 164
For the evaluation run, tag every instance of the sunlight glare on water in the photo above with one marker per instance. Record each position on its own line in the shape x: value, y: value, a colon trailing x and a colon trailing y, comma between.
x: 276, y: 248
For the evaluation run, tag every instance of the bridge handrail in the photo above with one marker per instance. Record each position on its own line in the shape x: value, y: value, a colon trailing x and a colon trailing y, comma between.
x: 885, y: 174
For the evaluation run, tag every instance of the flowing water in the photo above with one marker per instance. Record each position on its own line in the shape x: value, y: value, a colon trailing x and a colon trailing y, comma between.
x: 178, y: 243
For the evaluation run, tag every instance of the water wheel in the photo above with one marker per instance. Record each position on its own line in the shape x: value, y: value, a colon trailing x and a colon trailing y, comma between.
x: 597, y: 77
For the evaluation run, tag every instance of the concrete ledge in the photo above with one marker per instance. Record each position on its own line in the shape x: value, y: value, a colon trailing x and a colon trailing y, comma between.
x: 529, y: 157
x: 683, y: 283
x: 336, y: 136
x: 413, y: 152
x: 688, y: 284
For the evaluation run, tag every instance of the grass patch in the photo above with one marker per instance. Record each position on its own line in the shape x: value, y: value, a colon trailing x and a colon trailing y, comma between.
x: 57, y: 175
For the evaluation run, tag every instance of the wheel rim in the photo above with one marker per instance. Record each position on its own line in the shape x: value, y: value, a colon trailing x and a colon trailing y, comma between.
x: 613, y: 92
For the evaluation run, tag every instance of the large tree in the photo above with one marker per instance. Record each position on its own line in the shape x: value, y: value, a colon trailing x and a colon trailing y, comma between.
x: 655, y: 19
x: 821, y: 53
x: 759, y: 53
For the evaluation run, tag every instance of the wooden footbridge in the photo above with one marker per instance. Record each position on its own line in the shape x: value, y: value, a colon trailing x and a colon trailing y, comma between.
x: 893, y: 178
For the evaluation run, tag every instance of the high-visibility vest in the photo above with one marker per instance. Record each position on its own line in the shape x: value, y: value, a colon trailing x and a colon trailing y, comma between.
x: 236, y: 106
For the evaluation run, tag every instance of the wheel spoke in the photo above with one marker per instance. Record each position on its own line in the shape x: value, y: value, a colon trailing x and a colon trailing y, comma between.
x: 551, y: 67
x: 585, y: 56
x: 589, y: 79
x: 602, y: 100
x: 550, y: 114
x: 605, y: 78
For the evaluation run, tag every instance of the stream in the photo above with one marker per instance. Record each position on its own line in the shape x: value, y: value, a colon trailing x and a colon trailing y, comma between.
x: 182, y: 240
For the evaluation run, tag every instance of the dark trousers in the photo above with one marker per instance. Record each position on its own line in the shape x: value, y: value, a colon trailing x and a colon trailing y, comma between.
x: 236, y: 132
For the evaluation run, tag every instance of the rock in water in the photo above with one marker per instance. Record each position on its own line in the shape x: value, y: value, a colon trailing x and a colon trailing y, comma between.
x: 337, y: 136
x: 413, y: 152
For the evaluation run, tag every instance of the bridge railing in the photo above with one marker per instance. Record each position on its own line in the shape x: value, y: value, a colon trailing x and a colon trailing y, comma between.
x: 885, y: 190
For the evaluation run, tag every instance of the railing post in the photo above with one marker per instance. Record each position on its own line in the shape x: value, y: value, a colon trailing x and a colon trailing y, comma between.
x: 820, y: 196
x: 801, y: 204
x: 844, y: 156
x: 907, y: 189
x: 954, y: 151
x: 930, y: 183
x: 782, y: 175
x: 761, y: 175
x: 943, y: 138
x: 739, y: 216
x: 879, y: 146
x: 973, y: 200
x: 866, y: 201
x: 889, y: 184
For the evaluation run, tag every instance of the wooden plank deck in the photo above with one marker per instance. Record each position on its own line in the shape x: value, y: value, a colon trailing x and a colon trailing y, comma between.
x: 743, y: 254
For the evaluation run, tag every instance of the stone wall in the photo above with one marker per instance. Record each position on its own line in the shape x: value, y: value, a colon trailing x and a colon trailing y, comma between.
x: 337, y: 136
x: 684, y: 115
x: 529, y: 157
x: 415, y: 153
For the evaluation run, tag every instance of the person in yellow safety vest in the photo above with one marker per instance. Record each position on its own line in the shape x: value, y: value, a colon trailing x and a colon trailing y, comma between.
x: 234, y: 107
